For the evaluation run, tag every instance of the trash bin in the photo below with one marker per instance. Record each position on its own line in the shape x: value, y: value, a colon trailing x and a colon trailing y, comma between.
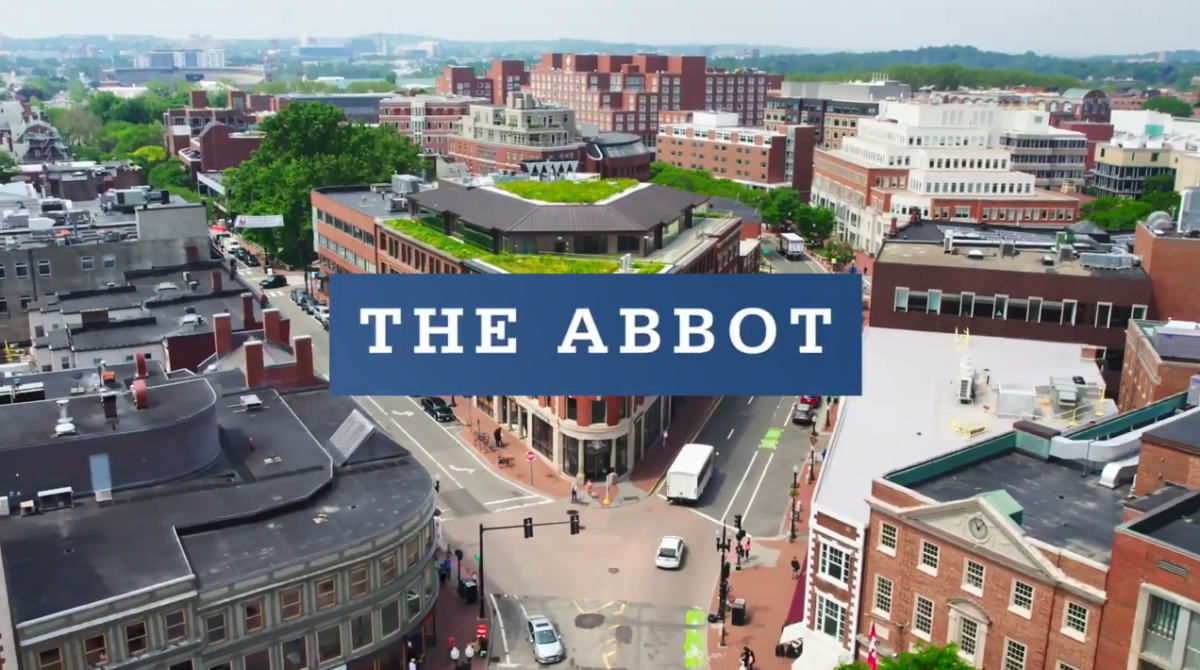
x: 738, y: 612
x: 468, y: 590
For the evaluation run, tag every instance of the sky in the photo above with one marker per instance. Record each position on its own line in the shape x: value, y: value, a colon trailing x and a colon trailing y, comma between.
x: 1074, y: 27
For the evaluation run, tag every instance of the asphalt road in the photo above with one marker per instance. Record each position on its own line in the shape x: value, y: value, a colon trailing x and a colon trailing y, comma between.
x: 798, y: 266
x: 469, y: 486
x: 752, y: 479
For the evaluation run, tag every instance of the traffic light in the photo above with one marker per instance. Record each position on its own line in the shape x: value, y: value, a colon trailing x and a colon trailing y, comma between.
x: 574, y: 524
x: 741, y: 535
x: 528, y: 524
x: 737, y: 522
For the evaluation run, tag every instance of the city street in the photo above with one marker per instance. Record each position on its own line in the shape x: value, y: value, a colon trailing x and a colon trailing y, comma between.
x: 798, y: 266
x: 757, y: 446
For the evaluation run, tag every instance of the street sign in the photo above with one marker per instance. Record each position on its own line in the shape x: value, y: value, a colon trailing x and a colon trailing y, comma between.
x: 530, y: 456
x: 481, y: 630
x: 478, y: 560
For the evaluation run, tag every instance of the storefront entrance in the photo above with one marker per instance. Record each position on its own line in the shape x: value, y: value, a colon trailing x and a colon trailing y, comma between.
x: 597, y: 459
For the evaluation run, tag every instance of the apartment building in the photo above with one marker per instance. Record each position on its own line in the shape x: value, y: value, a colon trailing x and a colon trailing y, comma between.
x: 427, y: 119
x: 834, y: 109
x: 211, y: 139
x: 495, y: 138
x: 1187, y: 169
x: 502, y: 77
x: 625, y: 93
x: 181, y: 58
x: 357, y: 107
x: 1078, y: 104
x: 881, y: 557
x: 1122, y: 168
x: 1056, y: 158
x: 1095, y: 133
x: 937, y: 162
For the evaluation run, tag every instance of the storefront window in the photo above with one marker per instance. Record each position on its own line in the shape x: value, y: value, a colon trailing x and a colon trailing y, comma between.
x: 653, y: 423
x: 543, y: 437
x: 624, y: 407
x: 572, y: 408
x: 597, y: 459
x: 570, y: 455
x: 599, y: 411
x: 637, y: 438
x: 622, y: 446
x: 485, y: 403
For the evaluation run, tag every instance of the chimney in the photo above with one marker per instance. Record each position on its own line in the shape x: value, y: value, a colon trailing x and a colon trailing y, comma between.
x: 64, y: 415
x: 198, y: 99
x: 222, y: 334
x: 271, y: 326
x: 285, y: 331
x: 109, y: 401
x: 253, y: 351
x: 216, y: 281
x: 248, y: 322
x: 141, y: 397
x: 141, y: 366
x: 302, y: 350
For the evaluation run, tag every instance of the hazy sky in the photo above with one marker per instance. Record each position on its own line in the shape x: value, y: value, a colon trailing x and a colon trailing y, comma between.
x: 1061, y: 26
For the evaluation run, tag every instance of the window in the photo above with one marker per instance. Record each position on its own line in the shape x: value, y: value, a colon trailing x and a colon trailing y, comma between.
x: 22, y: 269
x: 1064, y: 666
x: 1139, y: 311
x: 259, y: 660
x: 412, y: 552
x: 1103, y: 314
x: 361, y: 632
x: 967, y: 306
x: 412, y: 601
x: 1014, y: 655
x: 888, y: 538
x: 1022, y: 597
x: 389, y: 618
x: 831, y: 617
x: 1035, y: 310
x: 833, y: 563
x: 3, y: 305
x: 291, y: 604
x: 95, y: 650
x: 87, y: 263
x: 1000, y: 310
x: 3, y: 275
x: 923, y: 618
x: 883, y: 594
x: 934, y: 304
x: 1075, y: 620
x: 176, y: 625
x: 135, y: 638
x: 215, y: 629
x: 252, y: 616
x: 1068, y: 312
x: 295, y: 654
x: 326, y: 594
x: 929, y: 557
x: 50, y: 659
x: 901, y: 299
x: 43, y: 268
x: 182, y: 665
x: 360, y: 581
x: 109, y: 260
x: 329, y: 644
x: 968, y: 636
x: 387, y: 569
x: 973, y: 577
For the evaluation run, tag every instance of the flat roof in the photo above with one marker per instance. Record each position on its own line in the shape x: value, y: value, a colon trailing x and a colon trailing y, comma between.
x: 989, y: 258
x: 909, y: 411
x: 1148, y: 330
x: 1182, y: 435
x: 1172, y: 524
x: 1064, y: 505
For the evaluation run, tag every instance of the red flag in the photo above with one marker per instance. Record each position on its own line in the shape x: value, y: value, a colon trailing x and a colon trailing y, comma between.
x: 871, y: 660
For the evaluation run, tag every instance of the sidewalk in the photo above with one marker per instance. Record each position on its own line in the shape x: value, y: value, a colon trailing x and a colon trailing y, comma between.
x: 771, y: 594
x: 545, y: 478
x: 454, y: 619
x: 647, y: 473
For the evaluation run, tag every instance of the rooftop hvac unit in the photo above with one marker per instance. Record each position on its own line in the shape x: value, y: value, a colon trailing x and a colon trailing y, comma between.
x: 396, y: 204
x: 966, y: 381
x: 1189, y: 211
x: 130, y: 197
x: 1178, y: 339
x: 251, y: 402
x: 975, y: 255
x: 1110, y: 261
x: 948, y: 244
x: 1065, y: 392
x: 1066, y: 253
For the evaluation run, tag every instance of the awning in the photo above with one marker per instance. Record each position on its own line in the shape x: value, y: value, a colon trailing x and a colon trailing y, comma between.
x: 792, y: 633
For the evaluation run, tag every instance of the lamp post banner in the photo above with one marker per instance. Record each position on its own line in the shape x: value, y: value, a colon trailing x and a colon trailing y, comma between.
x: 596, y: 335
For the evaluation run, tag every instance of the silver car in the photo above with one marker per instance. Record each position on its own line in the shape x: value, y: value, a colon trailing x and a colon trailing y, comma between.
x: 545, y: 640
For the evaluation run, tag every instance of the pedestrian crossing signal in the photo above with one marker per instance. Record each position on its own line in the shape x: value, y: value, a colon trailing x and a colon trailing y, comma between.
x: 574, y: 524
x: 528, y: 524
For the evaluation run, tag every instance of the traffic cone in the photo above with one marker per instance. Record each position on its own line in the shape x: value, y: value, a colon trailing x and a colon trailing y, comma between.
x: 606, y: 501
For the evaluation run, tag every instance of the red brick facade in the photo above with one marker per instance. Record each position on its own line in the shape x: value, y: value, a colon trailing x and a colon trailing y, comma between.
x: 502, y: 78
x: 1171, y: 262
x: 1145, y: 377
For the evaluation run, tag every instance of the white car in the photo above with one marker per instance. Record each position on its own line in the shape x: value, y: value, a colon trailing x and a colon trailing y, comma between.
x: 670, y: 553
x: 321, y: 312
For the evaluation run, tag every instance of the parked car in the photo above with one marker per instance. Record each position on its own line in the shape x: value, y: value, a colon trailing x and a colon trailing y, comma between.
x: 805, y: 410
x: 321, y: 313
x: 299, y: 295
x: 544, y: 638
x: 274, y: 281
x: 437, y: 408
x: 308, y: 304
x: 670, y: 553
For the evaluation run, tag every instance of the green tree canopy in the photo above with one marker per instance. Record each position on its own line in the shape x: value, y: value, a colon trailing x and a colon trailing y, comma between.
x: 699, y: 181
x: 307, y: 146
x: 926, y: 657
x: 815, y: 224
x: 1172, y: 106
x: 780, y: 205
x: 950, y: 77
x: 1159, y: 183
x: 8, y: 167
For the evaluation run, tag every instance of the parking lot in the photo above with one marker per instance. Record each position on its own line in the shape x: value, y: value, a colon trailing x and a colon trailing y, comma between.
x: 599, y: 635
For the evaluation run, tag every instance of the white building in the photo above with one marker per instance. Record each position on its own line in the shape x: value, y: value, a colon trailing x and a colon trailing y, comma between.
x: 946, y: 161
x: 201, y: 59
x: 1143, y: 123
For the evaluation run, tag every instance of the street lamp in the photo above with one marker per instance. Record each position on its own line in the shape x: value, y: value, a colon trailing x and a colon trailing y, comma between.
x: 723, y: 546
x: 795, y: 496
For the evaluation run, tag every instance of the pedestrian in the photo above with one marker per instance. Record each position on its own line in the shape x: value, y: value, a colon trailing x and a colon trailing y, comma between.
x: 412, y: 664
x: 795, y: 568
x: 454, y: 655
x: 449, y: 643
x: 498, y: 435
x: 588, y: 485
x: 746, y: 552
x: 469, y: 652
x: 574, y: 492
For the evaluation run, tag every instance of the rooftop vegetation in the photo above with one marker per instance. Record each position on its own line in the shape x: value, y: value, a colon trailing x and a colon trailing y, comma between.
x: 567, y: 191
x: 545, y: 264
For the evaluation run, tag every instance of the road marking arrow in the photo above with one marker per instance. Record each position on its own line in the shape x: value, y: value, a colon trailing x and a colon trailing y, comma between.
x: 402, y: 413
x: 455, y: 468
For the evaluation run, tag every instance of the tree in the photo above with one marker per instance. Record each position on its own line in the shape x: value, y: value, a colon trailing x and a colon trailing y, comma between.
x: 815, y: 224
x: 170, y: 175
x: 1172, y: 106
x: 926, y: 657
x: 8, y: 167
x: 148, y: 156
x: 1116, y: 213
x: 1159, y: 183
x: 76, y: 125
x: 780, y: 205
x: 307, y: 146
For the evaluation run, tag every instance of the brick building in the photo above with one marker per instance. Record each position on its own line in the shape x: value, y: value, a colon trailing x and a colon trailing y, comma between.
x: 1150, y: 374
x: 502, y: 77
x: 428, y: 120
x: 212, y: 139
x: 625, y: 93
x: 1170, y: 257
x: 360, y: 231
x: 833, y: 109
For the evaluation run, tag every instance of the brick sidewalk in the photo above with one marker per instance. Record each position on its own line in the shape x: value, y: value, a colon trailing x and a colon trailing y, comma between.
x: 769, y: 593
x: 684, y: 429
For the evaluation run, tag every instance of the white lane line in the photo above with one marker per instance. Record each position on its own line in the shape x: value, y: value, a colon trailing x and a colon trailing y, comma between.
x: 739, y: 487
x: 509, y: 500
x: 470, y: 451
x: 750, y: 400
x: 697, y: 512
x: 754, y: 493
x: 730, y: 435
x: 416, y: 443
x: 543, y: 501
x: 500, y: 622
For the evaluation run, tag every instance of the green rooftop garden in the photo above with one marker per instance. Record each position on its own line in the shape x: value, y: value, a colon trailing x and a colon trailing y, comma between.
x: 545, y: 264
x: 567, y: 191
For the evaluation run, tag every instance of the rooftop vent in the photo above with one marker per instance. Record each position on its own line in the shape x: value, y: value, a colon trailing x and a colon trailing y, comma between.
x: 64, y: 429
x: 165, y: 287
x: 251, y: 402
x: 975, y: 255
x: 64, y: 415
x: 1048, y: 260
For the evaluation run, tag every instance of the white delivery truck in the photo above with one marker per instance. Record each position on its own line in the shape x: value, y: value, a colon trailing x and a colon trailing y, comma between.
x: 791, y: 245
x: 690, y: 472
